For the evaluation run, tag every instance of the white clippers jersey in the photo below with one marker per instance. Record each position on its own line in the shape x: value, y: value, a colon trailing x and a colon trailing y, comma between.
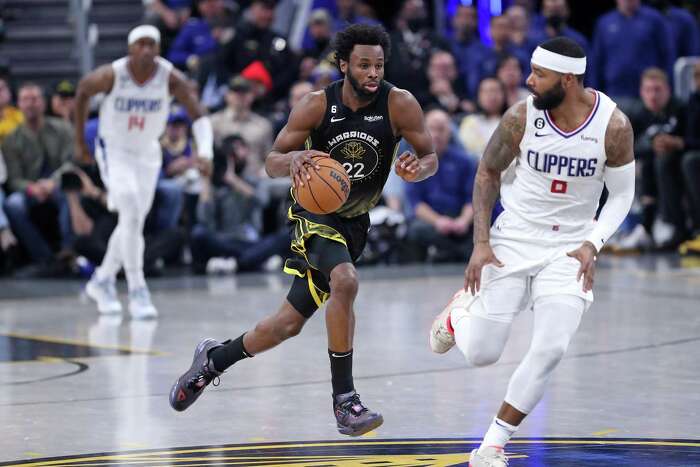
x: 133, y: 116
x: 558, y: 175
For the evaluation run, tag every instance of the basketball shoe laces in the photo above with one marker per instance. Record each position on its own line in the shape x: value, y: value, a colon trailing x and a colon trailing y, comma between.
x: 351, y: 405
x: 202, y: 378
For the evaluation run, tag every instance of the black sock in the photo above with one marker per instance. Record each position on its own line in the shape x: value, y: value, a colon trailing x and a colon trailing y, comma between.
x: 341, y: 372
x: 225, y: 356
x: 648, y: 216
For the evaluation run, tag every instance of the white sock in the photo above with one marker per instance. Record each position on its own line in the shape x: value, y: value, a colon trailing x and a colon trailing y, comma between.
x: 498, y: 435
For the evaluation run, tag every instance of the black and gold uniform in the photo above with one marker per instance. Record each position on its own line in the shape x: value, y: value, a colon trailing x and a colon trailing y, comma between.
x: 365, y: 144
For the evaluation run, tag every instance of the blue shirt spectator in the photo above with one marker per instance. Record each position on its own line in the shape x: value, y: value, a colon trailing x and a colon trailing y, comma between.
x: 626, y: 42
x: 450, y: 189
x: 685, y: 34
x: 195, y: 38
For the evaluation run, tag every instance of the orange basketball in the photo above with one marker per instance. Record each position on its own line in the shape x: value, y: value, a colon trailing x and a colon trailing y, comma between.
x: 328, y: 188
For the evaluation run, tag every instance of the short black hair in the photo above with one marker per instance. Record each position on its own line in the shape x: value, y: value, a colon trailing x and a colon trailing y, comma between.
x: 359, y: 34
x: 565, y: 46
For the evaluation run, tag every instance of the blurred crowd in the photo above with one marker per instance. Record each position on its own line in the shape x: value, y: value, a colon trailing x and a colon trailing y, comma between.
x: 54, y: 220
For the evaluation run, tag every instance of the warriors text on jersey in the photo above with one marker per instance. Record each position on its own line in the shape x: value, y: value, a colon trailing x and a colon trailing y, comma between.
x: 559, y: 175
x: 134, y: 115
x: 362, y: 141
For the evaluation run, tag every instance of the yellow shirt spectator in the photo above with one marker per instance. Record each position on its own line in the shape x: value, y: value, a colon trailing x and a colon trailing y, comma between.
x: 10, y: 118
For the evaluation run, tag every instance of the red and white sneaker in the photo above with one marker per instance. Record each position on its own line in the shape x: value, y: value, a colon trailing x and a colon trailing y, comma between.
x: 442, y: 335
x: 491, y: 456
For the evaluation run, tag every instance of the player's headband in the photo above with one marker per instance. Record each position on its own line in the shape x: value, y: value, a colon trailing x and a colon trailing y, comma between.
x: 144, y: 31
x: 557, y: 62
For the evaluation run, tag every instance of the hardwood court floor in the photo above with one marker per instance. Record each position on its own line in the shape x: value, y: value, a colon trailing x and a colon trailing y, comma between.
x: 73, y: 383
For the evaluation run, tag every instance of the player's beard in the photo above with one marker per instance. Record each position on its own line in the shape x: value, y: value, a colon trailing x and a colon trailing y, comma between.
x: 550, y: 99
x: 361, y: 92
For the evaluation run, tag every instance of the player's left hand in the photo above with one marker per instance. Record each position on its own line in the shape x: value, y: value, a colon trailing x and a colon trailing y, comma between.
x: 585, y: 254
x: 407, y: 166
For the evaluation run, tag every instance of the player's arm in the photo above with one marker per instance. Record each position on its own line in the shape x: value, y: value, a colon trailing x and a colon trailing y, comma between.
x: 408, y: 121
x: 202, y: 130
x: 619, y: 178
x: 285, y: 158
x: 501, y: 150
x: 98, y: 81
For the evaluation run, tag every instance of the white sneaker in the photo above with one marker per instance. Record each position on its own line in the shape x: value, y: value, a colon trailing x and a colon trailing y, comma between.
x: 221, y: 265
x: 140, y: 305
x: 638, y: 239
x: 491, y: 456
x: 104, y: 293
x: 442, y: 336
x: 273, y: 263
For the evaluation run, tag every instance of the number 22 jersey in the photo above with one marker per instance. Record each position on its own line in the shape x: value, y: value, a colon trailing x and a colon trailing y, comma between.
x: 362, y: 141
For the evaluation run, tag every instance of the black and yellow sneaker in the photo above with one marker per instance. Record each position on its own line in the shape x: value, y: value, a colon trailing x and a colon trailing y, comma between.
x: 190, y: 385
x: 354, y: 419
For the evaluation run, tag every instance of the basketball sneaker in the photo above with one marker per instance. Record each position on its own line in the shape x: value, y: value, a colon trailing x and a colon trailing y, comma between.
x: 491, y: 456
x: 104, y: 293
x: 140, y: 305
x: 353, y: 418
x: 442, y: 335
x: 191, y: 384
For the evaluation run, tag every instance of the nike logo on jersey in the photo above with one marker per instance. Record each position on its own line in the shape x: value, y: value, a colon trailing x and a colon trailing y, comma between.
x: 333, y: 119
x: 541, y: 135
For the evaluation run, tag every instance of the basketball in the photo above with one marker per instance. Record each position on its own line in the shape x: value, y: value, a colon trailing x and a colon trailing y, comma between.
x: 328, y: 188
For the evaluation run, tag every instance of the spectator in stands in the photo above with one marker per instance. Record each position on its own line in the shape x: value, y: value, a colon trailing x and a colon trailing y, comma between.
x: 502, y: 46
x: 683, y: 27
x: 255, y: 40
x: 537, y: 20
x: 476, y: 129
x: 412, y: 43
x: 446, y: 90
x: 180, y: 177
x: 658, y: 130
x: 168, y: 16
x: 10, y: 117
x: 63, y: 101
x: 238, y: 118
x: 442, y: 204
x: 510, y: 74
x: 691, y: 165
x: 7, y: 239
x: 200, y: 36
x: 556, y: 14
x: 323, y: 74
x: 347, y: 12
x: 320, y: 34
x: 521, y: 37
x: 626, y: 42
x: 467, y: 46
x: 297, y: 91
x: 229, y: 216
x: 35, y: 155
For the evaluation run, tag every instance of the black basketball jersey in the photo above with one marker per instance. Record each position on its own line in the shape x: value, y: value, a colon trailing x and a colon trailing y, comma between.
x: 362, y: 141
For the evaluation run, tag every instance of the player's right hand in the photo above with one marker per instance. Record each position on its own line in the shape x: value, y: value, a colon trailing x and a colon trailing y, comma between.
x: 481, y: 256
x: 299, y: 166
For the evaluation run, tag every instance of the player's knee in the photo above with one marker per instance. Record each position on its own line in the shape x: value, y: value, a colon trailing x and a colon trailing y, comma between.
x: 482, y: 356
x: 548, y: 356
x: 344, y: 281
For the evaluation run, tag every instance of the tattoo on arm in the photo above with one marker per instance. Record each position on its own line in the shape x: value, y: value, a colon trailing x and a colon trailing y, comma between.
x: 501, y: 150
x: 619, y: 140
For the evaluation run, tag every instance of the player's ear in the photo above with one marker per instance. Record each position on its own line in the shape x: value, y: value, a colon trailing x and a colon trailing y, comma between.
x: 343, y: 66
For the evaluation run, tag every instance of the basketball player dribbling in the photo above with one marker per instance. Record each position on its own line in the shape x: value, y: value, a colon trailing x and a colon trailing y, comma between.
x: 133, y: 116
x: 358, y: 121
x: 566, y: 141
